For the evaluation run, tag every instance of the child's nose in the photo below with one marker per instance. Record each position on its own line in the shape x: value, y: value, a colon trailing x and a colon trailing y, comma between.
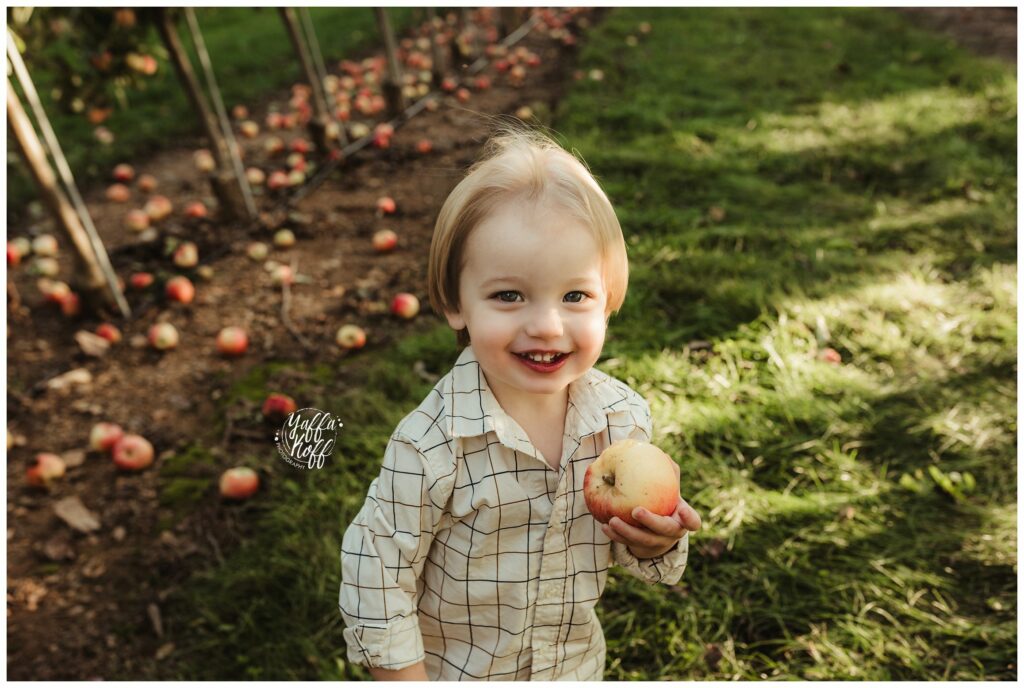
x: 546, y: 322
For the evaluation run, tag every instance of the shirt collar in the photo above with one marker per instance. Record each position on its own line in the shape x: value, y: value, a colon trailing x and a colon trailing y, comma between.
x: 472, y: 408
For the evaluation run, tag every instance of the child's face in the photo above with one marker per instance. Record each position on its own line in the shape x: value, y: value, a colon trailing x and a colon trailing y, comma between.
x: 531, y: 281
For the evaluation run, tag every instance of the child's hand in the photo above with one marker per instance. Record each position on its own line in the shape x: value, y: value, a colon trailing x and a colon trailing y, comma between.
x: 659, y: 534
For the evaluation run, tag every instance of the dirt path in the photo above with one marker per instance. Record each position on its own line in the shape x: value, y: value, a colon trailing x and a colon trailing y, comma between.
x: 985, y: 30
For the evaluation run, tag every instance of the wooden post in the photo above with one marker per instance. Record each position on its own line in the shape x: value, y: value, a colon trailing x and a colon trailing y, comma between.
x: 392, y: 85
x: 436, y: 55
x: 321, y: 117
x: 225, y: 185
x: 88, y: 275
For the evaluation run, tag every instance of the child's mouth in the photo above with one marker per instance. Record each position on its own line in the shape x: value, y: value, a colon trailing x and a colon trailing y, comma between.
x: 555, y: 363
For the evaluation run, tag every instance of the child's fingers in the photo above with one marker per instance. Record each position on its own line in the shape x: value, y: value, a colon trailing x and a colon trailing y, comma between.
x: 688, y: 516
x: 639, y: 537
x: 666, y: 526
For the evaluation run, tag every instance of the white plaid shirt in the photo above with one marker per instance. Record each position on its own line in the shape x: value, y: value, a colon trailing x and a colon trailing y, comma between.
x: 472, y: 554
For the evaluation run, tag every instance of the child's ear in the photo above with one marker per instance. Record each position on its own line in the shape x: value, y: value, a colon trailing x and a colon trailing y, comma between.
x: 455, y: 320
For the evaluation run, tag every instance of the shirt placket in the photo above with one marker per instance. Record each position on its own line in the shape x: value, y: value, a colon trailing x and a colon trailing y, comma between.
x: 550, y: 611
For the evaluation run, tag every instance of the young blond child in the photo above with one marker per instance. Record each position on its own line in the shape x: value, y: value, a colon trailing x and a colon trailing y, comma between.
x: 474, y: 555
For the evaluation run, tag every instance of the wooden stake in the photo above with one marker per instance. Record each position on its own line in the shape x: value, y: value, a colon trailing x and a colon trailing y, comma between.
x: 88, y: 275
x: 318, y: 123
x: 225, y: 185
x: 436, y: 54
x: 392, y: 85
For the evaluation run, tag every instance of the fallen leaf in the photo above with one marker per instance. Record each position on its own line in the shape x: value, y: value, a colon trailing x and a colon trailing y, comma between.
x: 78, y: 376
x: 165, y: 651
x: 73, y: 512
x: 712, y: 656
x: 73, y: 457
x: 92, y: 344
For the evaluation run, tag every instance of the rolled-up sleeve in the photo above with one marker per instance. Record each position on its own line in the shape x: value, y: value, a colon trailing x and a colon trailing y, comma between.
x: 382, y: 556
x: 666, y: 568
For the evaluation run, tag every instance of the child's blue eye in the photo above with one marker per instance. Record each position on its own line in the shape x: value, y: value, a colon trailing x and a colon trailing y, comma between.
x: 581, y: 296
x: 502, y: 294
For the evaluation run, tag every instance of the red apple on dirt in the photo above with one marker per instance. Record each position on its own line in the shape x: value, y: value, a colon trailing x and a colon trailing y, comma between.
x: 249, y: 129
x: 48, y: 467
x: 424, y: 146
x: 186, y: 255
x: 180, y: 289
x: 628, y: 474
x: 13, y: 254
x: 240, y: 112
x: 386, y: 205
x: 136, y: 220
x: 405, y: 305
x: 195, y: 210
x: 296, y: 161
x: 163, y: 336
x: 124, y: 173
x: 350, y: 337
x: 282, y: 274
x: 232, y: 341
x: 296, y: 178
x: 255, y: 176
x: 140, y: 280
x: 109, y: 332
x: 284, y: 238
x: 46, y: 266
x: 118, y: 193
x: 158, y: 207
x: 104, y: 436
x: 257, y: 250
x: 53, y: 291
x: 132, y: 453
x: 278, y: 180
x: 273, y: 145
x: 45, y: 245
x: 277, y: 407
x: 300, y: 146
x: 204, y: 160
x: 462, y: 95
x: 147, y: 183
x: 384, y: 240
x: 482, y: 83
x: 71, y: 304
x: 239, y: 483
x: 449, y: 84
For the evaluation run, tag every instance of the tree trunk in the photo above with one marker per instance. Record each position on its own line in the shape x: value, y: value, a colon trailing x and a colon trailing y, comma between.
x: 231, y: 200
x: 88, y: 276
x: 436, y: 55
x: 321, y: 116
x: 392, y: 85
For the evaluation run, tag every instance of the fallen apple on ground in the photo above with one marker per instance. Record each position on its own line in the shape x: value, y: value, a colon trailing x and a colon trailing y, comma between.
x: 386, y: 205
x: 124, y: 173
x: 239, y: 483
x: 48, y: 467
x: 136, y: 220
x: 277, y: 407
x: 180, y: 289
x: 132, y: 453
x: 45, y: 245
x: 186, y: 255
x: 405, y: 305
x: 232, y: 341
x: 163, y: 336
x: 109, y: 332
x: 350, y: 337
x: 384, y: 240
x: 628, y: 474
x: 104, y: 436
x: 284, y: 238
x: 118, y: 193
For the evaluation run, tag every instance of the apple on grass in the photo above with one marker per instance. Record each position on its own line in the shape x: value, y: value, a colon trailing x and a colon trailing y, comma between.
x: 104, y: 436
x: 628, y: 474
x: 239, y: 483
x: 132, y: 453
x: 350, y: 337
x: 277, y: 407
x: 48, y: 467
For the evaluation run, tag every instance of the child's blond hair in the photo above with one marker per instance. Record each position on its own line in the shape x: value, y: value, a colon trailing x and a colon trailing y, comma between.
x: 522, y: 164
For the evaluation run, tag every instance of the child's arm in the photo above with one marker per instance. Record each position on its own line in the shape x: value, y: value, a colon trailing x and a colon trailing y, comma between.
x: 383, y: 553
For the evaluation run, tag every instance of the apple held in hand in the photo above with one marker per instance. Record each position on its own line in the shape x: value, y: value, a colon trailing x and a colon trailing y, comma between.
x: 629, y: 474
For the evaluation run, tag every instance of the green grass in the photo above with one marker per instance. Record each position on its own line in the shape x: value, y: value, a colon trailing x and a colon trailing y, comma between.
x: 251, y: 57
x: 859, y: 519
